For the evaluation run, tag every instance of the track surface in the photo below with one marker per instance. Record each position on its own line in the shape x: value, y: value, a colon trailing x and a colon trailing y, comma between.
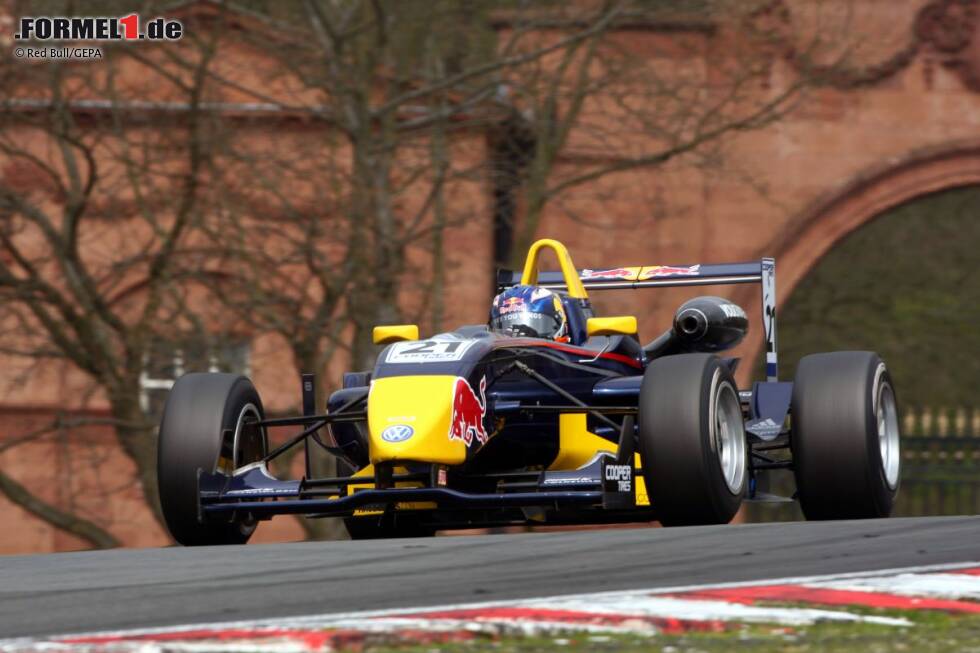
x: 75, y: 592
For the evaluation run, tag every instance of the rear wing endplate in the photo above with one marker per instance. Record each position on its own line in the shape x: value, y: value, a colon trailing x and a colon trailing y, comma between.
x: 762, y: 272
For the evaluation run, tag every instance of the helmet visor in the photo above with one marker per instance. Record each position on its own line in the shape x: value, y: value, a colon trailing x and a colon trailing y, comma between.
x: 526, y: 323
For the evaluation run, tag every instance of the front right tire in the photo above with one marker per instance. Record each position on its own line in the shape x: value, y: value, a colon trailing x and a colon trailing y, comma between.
x: 206, y: 426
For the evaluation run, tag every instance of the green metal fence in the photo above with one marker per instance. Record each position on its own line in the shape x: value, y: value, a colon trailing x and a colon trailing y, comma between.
x: 940, y: 467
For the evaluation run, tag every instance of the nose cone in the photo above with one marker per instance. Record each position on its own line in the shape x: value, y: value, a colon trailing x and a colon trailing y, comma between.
x: 410, y: 418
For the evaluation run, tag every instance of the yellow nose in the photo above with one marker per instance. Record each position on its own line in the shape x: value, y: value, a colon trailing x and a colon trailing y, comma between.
x: 410, y: 418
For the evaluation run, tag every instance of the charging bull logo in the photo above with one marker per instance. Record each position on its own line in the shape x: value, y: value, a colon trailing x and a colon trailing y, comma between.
x: 628, y: 274
x: 512, y: 304
x: 468, y: 412
x: 654, y: 271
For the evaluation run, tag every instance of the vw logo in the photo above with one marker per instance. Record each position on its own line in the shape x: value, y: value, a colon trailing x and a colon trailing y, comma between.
x: 397, y: 433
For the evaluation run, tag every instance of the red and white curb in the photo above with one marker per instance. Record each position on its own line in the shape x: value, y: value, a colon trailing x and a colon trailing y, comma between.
x: 951, y: 588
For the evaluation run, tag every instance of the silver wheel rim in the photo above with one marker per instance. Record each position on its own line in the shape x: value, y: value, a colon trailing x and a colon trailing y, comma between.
x: 886, y: 415
x: 246, y: 524
x: 248, y: 411
x: 728, y: 434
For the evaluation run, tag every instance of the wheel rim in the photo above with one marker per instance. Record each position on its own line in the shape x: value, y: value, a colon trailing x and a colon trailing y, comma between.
x: 728, y: 433
x: 248, y: 444
x: 888, y: 435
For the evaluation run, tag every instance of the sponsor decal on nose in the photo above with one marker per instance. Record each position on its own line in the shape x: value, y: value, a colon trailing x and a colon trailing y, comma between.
x: 468, y: 412
x: 397, y: 433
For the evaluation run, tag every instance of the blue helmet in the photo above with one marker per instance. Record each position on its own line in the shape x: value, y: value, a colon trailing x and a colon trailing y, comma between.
x: 529, y: 311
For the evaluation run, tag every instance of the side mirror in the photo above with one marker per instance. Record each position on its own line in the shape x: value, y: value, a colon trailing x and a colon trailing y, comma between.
x: 623, y: 325
x: 385, y: 335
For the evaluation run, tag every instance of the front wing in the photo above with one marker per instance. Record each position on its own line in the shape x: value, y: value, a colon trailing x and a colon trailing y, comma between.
x: 601, y: 485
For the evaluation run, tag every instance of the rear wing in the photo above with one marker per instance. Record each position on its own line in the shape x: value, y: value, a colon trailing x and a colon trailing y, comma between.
x: 762, y: 272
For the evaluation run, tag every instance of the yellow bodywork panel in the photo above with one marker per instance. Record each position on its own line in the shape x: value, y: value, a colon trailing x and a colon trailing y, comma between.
x: 623, y: 325
x: 531, y: 269
x: 423, y: 403
x: 577, y: 446
x: 368, y: 474
x: 385, y: 335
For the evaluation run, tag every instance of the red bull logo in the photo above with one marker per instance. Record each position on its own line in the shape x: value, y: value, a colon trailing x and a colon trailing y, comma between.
x: 628, y: 274
x: 468, y: 412
x: 512, y: 304
x: 668, y: 271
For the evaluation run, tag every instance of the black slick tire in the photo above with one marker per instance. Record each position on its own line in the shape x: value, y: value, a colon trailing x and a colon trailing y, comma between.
x: 680, y: 447
x: 838, y: 455
x: 200, y: 415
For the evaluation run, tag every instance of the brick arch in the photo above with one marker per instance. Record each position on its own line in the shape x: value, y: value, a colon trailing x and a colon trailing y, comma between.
x: 818, y: 228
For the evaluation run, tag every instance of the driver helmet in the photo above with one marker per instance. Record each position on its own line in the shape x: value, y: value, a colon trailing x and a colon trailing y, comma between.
x: 529, y: 311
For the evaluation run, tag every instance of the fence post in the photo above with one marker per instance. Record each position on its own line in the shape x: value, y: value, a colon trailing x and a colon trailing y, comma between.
x: 908, y: 426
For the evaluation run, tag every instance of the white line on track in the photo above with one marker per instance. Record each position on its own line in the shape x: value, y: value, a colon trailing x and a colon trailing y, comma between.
x: 958, y: 586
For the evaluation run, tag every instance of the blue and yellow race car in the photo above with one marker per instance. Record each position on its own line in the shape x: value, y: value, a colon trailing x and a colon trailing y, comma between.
x: 545, y: 415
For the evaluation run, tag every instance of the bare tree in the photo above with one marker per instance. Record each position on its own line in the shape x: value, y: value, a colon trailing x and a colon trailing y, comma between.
x: 98, y: 208
x: 599, y: 108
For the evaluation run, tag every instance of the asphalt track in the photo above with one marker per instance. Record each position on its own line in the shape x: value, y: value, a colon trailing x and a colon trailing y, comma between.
x: 76, y: 592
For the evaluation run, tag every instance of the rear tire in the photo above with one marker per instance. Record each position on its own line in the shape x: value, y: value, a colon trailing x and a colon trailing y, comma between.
x: 692, y: 440
x: 379, y: 527
x: 845, y: 436
x: 198, y: 428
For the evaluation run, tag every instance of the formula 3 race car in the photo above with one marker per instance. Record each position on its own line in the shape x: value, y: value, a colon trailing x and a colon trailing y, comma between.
x: 474, y: 428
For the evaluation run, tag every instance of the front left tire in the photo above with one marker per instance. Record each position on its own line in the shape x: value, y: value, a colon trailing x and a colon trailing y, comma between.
x: 692, y: 440
x: 206, y: 426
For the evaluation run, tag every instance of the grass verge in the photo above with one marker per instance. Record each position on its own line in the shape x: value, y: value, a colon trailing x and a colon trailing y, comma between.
x: 932, y: 633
